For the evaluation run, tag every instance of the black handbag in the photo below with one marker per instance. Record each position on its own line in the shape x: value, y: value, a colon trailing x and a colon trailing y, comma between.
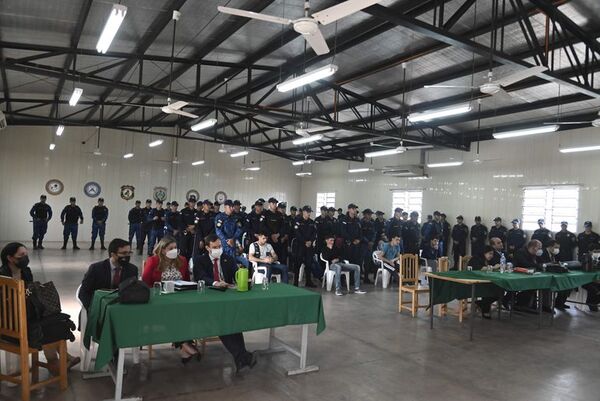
x: 133, y: 291
x: 43, y: 300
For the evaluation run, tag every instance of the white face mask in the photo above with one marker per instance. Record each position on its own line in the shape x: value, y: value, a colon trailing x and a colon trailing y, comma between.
x: 172, y: 254
x: 539, y: 252
x: 556, y: 251
x: 216, y: 253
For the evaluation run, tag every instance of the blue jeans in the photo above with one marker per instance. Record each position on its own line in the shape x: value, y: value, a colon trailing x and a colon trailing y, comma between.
x: 155, y: 236
x: 98, y: 228
x: 40, y: 226
x: 338, y: 268
x: 135, y: 229
x: 243, y: 261
x: 277, y: 266
x: 70, y: 229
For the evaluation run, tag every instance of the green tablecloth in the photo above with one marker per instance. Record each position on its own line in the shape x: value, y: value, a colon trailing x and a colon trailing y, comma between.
x: 188, y: 315
x: 445, y: 291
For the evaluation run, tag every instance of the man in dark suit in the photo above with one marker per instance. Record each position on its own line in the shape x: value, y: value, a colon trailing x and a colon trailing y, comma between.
x: 108, y: 273
x: 218, y: 269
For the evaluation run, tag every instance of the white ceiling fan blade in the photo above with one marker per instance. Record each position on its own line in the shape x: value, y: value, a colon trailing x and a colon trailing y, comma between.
x: 451, y: 86
x: 141, y: 105
x: 178, y: 105
x: 253, y: 15
x: 569, y: 123
x: 520, y: 75
x: 184, y: 113
x: 342, y: 10
x: 316, y: 40
x: 419, y: 147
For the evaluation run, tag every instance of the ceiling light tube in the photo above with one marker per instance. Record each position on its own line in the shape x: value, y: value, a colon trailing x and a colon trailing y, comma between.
x: 204, y: 124
x: 116, y: 17
x: 59, y: 130
x: 254, y: 168
x: 379, y: 153
x: 239, y: 154
x: 301, y: 162
x: 156, y: 143
x: 438, y: 113
x: 77, y: 92
x: 358, y: 170
x: 307, y: 78
x: 445, y: 164
x: 198, y: 163
x: 527, y: 131
x: 304, y: 174
x: 52, y: 146
x: 127, y: 155
x: 579, y: 149
x: 308, y: 139
x: 308, y: 131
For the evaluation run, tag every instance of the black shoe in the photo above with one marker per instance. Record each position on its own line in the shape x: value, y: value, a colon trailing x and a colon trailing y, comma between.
x: 91, y: 248
x: 593, y: 308
x: 35, y: 246
x: 40, y: 245
x: 310, y: 284
x: 103, y: 248
x: 367, y: 281
x: 64, y: 247
x: 247, y: 361
x: 76, y: 248
x: 547, y: 309
x: 562, y: 307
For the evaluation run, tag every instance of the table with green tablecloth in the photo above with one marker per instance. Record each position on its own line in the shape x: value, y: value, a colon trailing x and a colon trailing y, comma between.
x: 189, y: 314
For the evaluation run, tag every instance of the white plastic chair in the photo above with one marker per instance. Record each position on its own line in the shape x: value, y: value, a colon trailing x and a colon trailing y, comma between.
x: 263, y: 270
x: 385, y: 274
x: 329, y: 275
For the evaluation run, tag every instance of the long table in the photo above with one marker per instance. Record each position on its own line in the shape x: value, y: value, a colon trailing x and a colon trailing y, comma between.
x: 189, y: 314
x: 448, y: 286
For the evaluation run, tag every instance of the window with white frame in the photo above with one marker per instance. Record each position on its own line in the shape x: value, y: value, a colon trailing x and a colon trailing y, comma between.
x: 553, y: 204
x: 409, y: 201
x: 325, y: 199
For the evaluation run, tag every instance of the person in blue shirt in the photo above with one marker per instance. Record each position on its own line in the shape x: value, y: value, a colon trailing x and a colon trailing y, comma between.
x: 390, y: 254
x: 156, y: 217
x: 229, y: 231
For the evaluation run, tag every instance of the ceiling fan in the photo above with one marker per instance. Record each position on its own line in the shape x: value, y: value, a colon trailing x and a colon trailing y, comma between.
x: 402, y: 148
x: 309, y: 26
x: 594, y: 123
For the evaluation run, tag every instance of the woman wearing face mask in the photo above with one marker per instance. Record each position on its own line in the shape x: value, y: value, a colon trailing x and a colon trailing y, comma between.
x: 549, y: 255
x: 167, y: 265
x: 478, y: 262
x: 15, y: 264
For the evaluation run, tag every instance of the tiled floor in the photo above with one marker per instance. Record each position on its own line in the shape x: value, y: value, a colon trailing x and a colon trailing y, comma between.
x: 368, y: 352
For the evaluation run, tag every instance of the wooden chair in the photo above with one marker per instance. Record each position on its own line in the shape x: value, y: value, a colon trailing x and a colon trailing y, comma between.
x: 463, y: 262
x: 443, y: 266
x: 13, y: 324
x: 409, y: 283
x: 463, y: 304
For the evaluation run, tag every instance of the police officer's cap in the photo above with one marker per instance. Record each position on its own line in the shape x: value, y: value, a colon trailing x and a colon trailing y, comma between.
x: 429, y: 217
x: 497, y: 219
x: 352, y: 206
x: 272, y: 200
x: 307, y: 208
x: 379, y: 213
x: 436, y: 213
x: 72, y: 199
x: 459, y: 217
x: 414, y: 213
x: 340, y: 210
x: 516, y: 221
x: 258, y: 203
x: 43, y: 197
x: 148, y: 201
x: 587, y: 224
x: 398, y: 210
x: 137, y: 202
x: 237, y: 203
x: 174, y: 203
x: 206, y: 202
x: 295, y: 209
x: 192, y: 198
x: 367, y: 211
x: 564, y: 223
x: 331, y: 209
x: 228, y: 202
x: 443, y: 215
x: 159, y: 202
x: 477, y: 218
x: 216, y: 203
x: 100, y: 199
x: 323, y: 208
x: 261, y: 200
x: 282, y: 205
x: 540, y: 221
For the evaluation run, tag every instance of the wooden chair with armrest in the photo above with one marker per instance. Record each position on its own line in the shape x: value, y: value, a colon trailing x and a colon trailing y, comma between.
x: 409, y: 283
x: 463, y: 304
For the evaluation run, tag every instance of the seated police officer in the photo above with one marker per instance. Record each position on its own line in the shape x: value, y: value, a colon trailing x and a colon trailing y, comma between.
x: 262, y: 253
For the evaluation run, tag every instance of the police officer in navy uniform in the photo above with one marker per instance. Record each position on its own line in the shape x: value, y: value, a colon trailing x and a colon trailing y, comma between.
x: 515, y: 239
x: 135, y: 218
x: 460, y: 233
x: 320, y: 222
x: 255, y: 223
x: 204, y: 226
x: 498, y: 230
x: 567, y: 241
x: 379, y: 224
x: 394, y: 225
x: 174, y: 223
x: 188, y: 233
x: 351, y: 232
x: 479, y: 234
x: 274, y: 225
x: 99, y: 217
x: 70, y: 217
x: 542, y: 234
x: 445, y: 234
x: 587, y: 241
x: 157, y: 230
x: 306, y: 234
x: 146, y: 226
x: 41, y: 213
x: 286, y: 230
x: 411, y: 234
x: 428, y: 232
x: 367, y: 243
x: 228, y: 230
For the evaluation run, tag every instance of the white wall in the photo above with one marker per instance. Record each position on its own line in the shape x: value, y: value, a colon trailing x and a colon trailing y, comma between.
x: 471, y: 190
x: 26, y: 165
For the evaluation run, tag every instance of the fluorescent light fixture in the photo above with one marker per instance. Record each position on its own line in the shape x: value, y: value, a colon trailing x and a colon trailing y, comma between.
x: 127, y: 155
x: 438, y: 113
x: 308, y: 139
x: 445, y: 164
x: 156, y: 143
x: 307, y: 78
x: 378, y: 153
x: 59, y: 130
x: 77, y: 92
x: 116, y: 17
x: 301, y: 162
x: 358, y: 170
x: 239, y: 154
x: 52, y: 146
x: 304, y: 174
x: 204, y: 124
x: 422, y: 177
x: 97, y: 152
x: 254, y: 168
x: 579, y: 149
x: 198, y: 163
x: 311, y: 130
x: 361, y: 180
x: 527, y: 131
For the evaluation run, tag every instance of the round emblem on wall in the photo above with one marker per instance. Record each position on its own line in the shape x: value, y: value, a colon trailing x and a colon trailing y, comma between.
x: 92, y: 189
x: 160, y: 193
x: 127, y: 192
x: 220, y: 197
x: 192, y: 193
x: 54, y: 187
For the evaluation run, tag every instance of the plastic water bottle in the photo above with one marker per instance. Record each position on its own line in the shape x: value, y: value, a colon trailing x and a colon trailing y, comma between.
x: 502, y: 263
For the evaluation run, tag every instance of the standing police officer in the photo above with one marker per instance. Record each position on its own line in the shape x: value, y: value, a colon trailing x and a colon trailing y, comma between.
x: 411, y: 234
x: 135, y: 218
x: 445, y: 235
x: 379, y: 224
x: 351, y: 231
x: 41, y: 213
x: 394, y: 225
x: 228, y: 230
x: 70, y: 216
x: 306, y: 234
x: 321, y: 223
x: 205, y: 226
x: 460, y: 233
x: 587, y: 240
x: 255, y: 223
x: 479, y: 233
x: 188, y: 222
x: 498, y: 230
x: 542, y: 234
x: 515, y: 239
x: 286, y: 230
x: 367, y: 243
x: 274, y: 226
x: 157, y: 219
x: 146, y: 226
x: 174, y: 223
x: 567, y: 241
x: 99, y: 217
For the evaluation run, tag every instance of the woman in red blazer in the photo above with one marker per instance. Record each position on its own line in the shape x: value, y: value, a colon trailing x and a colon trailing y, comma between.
x: 167, y: 265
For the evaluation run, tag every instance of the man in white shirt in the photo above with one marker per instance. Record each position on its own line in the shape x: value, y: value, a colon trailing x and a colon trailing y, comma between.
x: 262, y: 253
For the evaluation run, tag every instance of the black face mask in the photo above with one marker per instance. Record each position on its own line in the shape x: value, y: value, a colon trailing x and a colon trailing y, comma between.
x: 123, y: 260
x: 22, y: 262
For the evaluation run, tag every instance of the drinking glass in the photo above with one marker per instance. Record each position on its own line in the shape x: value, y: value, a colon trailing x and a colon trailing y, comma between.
x: 201, y: 286
x: 157, y: 288
x: 469, y: 268
x: 265, y: 284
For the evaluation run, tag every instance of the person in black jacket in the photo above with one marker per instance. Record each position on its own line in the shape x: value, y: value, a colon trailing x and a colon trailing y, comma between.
x: 70, y: 217
x: 567, y: 241
x: 351, y: 232
x: 218, y: 268
x: 41, y: 213
x: 498, y: 230
x: 550, y: 255
x: 305, y: 231
x: 478, y: 262
x: 146, y: 226
x: 528, y: 257
x: 108, y: 273
x: 99, y: 217
x: 479, y: 234
x: 333, y: 255
x: 135, y: 219
x: 460, y: 233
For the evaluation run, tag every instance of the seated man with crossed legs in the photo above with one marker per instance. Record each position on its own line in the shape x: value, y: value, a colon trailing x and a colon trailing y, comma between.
x: 263, y: 254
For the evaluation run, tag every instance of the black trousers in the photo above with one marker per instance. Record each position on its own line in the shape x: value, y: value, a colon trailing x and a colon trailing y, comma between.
x: 145, y: 235
x: 593, y: 293
x: 304, y: 255
x: 234, y: 343
x: 458, y: 250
